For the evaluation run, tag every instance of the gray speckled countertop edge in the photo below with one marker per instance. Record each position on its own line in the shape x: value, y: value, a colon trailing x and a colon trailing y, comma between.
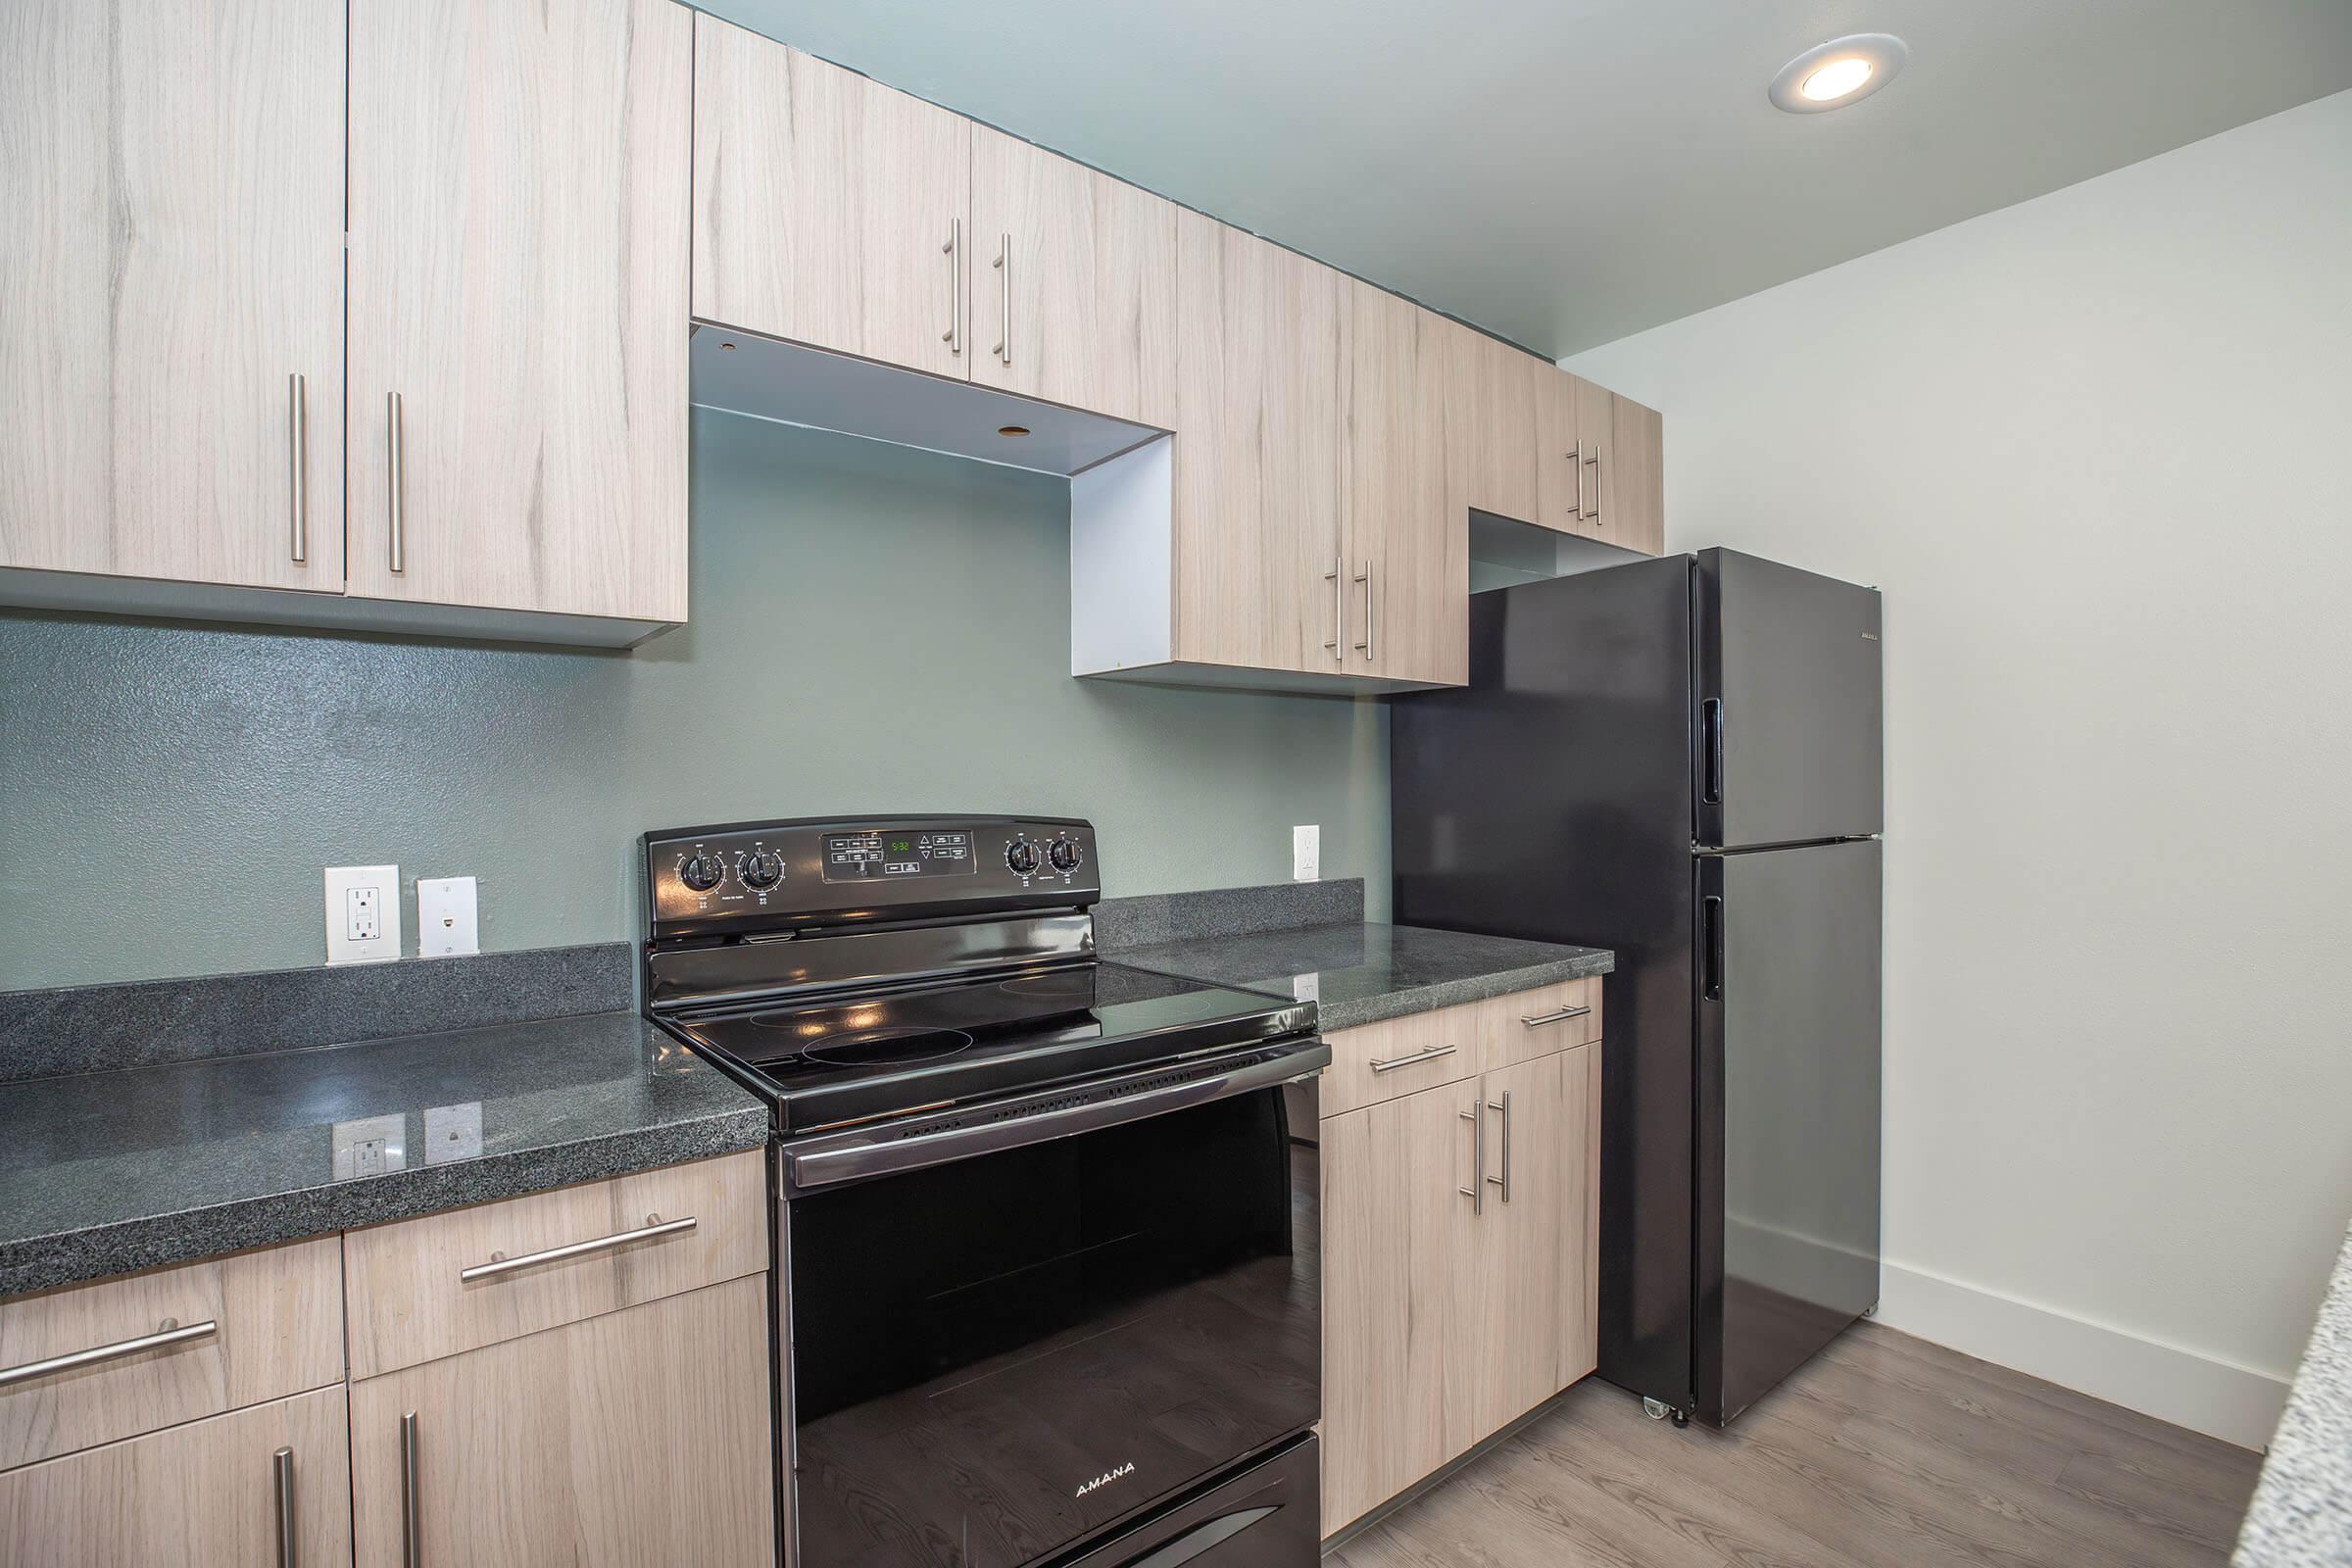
x: 1356, y: 1011
x: 126, y: 1247
x: 2301, y: 1515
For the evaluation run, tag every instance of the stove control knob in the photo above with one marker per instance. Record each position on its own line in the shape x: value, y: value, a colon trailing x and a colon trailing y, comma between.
x: 702, y: 872
x: 761, y: 869
x: 1063, y: 852
x: 1022, y: 856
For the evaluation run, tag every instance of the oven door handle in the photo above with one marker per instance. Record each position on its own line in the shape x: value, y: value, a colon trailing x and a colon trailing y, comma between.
x: 830, y: 1162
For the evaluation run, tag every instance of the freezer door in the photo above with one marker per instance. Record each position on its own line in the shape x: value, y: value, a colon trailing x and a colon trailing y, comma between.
x: 1788, y: 705
x: 1789, y: 1110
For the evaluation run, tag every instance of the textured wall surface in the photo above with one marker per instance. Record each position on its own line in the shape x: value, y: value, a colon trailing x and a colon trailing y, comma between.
x: 873, y: 629
x: 2093, y: 448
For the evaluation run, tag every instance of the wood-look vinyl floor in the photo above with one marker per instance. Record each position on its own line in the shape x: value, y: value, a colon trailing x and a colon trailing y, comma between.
x: 1882, y: 1453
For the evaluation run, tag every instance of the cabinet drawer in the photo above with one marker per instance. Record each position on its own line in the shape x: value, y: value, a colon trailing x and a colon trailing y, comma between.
x: 245, y: 1328
x: 422, y: 1289
x: 1397, y: 1056
x: 266, y: 1484
x: 1527, y: 1024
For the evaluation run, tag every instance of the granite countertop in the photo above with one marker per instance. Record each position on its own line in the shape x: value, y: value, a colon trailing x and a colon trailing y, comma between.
x: 2301, y: 1516
x: 106, y: 1172
x: 1359, y: 973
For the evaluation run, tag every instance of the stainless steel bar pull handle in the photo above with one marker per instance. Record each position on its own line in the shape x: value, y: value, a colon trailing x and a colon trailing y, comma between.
x: 298, y: 463
x: 281, y: 1475
x: 655, y: 1225
x: 1537, y: 1020
x: 952, y: 337
x: 1475, y: 1192
x: 1394, y: 1063
x: 1003, y: 265
x: 412, y: 1527
x: 1593, y: 463
x: 1576, y: 471
x: 1504, y: 1180
x: 1365, y: 578
x: 1336, y: 577
x: 167, y: 1334
x: 396, y: 479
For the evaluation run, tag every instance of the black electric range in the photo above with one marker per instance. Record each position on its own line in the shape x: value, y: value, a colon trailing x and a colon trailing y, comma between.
x: 1047, y: 1257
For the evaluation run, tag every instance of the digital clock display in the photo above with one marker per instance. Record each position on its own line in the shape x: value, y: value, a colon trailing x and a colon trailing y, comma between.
x: 886, y: 857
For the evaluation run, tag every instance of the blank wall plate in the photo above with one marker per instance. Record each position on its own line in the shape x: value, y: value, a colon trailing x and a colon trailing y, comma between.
x: 1306, y: 852
x: 446, y: 922
x: 362, y: 913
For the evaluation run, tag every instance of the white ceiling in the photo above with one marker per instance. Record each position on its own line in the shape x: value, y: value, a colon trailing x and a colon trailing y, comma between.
x: 1565, y: 173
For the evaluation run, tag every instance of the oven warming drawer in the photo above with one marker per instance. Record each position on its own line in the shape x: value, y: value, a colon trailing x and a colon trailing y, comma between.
x: 1267, y: 1516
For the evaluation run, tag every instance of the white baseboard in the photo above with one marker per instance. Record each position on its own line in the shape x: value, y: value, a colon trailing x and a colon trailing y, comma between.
x: 2232, y: 1403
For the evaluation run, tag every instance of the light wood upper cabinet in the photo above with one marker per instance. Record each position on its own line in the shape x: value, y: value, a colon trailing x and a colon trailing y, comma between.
x: 519, y: 188
x: 1073, y: 281
x: 171, y: 331
x: 1493, y: 411
x: 1634, y: 499
x: 1408, y: 549
x: 1261, y: 574
x: 828, y: 209
x: 623, y: 1439
x: 210, y: 1491
x: 1399, y: 1281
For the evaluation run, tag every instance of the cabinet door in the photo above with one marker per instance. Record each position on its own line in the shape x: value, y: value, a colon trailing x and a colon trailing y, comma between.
x: 210, y: 1491
x: 1492, y: 407
x: 517, y: 339
x: 1073, y: 278
x: 828, y: 208
x: 1259, y: 560
x: 1534, y: 1332
x: 1407, y: 550
x: 1595, y: 423
x: 1561, y: 476
x: 1398, y: 1242
x: 170, y: 334
x: 1637, y: 476
x: 636, y: 1438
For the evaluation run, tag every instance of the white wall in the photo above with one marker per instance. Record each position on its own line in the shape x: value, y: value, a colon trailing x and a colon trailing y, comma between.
x: 2098, y: 451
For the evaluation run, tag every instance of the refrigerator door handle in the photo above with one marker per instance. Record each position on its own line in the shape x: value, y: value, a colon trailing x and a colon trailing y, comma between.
x: 1710, y: 917
x: 1712, y: 721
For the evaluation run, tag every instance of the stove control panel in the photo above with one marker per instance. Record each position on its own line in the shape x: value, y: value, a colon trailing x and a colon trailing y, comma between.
x: 774, y: 877
x: 899, y: 852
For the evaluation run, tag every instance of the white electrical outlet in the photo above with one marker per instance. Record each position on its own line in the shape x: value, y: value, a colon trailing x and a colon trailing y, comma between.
x: 446, y: 924
x: 362, y: 913
x: 1306, y: 852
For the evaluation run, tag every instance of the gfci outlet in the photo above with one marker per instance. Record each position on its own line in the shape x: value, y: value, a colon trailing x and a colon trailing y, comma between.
x: 362, y: 913
x: 1306, y: 852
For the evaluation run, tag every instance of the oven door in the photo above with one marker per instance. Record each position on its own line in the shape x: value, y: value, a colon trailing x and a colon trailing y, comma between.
x: 1013, y: 1343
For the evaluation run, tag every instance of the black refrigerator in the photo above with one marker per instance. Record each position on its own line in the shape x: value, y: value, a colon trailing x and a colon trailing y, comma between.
x: 1680, y: 760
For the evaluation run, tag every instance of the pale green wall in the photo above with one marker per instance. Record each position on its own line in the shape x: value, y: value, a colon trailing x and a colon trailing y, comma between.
x: 873, y: 629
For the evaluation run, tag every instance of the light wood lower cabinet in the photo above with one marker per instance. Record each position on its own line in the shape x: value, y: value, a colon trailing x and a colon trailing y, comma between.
x: 212, y: 1491
x: 170, y: 343
x: 1460, y: 1249
x: 638, y: 1438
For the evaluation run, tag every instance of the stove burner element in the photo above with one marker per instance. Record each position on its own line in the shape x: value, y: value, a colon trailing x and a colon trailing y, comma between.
x: 1052, y: 983
x: 882, y: 1047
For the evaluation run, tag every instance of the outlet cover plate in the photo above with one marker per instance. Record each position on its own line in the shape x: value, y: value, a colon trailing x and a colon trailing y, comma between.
x: 371, y: 1146
x: 1306, y: 852
x: 346, y: 913
x: 447, y: 922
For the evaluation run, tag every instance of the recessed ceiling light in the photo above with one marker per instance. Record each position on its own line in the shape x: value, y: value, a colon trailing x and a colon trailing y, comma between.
x: 1013, y: 429
x: 1841, y: 72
